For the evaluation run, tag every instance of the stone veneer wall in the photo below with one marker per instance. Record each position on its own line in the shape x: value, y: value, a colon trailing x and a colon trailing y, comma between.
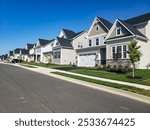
x: 117, y: 62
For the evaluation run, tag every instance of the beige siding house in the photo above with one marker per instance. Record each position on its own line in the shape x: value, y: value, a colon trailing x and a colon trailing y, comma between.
x: 94, y: 51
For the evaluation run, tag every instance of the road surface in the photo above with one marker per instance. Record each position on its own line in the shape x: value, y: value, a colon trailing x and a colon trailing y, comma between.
x: 22, y: 90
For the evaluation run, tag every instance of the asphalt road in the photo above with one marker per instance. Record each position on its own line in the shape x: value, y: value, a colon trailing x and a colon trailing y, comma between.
x: 26, y: 91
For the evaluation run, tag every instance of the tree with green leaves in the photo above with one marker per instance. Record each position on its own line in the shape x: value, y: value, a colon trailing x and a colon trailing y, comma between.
x: 134, y: 54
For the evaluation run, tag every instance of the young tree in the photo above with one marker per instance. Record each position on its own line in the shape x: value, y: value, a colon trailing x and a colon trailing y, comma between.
x: 134, y: 54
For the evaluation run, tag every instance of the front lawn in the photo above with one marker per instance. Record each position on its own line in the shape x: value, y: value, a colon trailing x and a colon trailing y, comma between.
x: 113, y: 85
x: 142, y: 75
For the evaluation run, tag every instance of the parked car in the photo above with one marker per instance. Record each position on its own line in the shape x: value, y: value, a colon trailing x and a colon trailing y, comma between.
x: 16, y: 61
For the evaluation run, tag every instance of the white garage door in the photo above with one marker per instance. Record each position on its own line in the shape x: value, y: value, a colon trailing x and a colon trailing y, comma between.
x: 87, y: 60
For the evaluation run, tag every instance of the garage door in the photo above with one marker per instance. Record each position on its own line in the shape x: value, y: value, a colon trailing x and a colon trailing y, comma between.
x: 87, y: 60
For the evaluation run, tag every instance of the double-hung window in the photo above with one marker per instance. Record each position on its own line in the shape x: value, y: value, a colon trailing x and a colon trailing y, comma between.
x: 124, y: 51
x: 97, y: 41
x: 90, y: 42
x: 119, y: 52
x: 113, y: 52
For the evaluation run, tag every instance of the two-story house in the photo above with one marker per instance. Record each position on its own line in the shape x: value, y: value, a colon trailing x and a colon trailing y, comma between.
x: 21, y: 54
x: 46, y: 52
x: 63, y: 50
x: 122, y: 33
x: 94, y: 49
x: 38, y: 49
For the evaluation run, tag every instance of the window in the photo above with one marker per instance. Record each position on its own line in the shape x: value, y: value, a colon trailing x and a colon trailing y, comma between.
x: 113, y: 52
x: 56, y: 54
x: 118, y: 31
x: 119, y: 51
x: 97, y: 41
x: 57, y: 43
x: 124, y: 51
x: 97, y: 28
x: 90, y: 42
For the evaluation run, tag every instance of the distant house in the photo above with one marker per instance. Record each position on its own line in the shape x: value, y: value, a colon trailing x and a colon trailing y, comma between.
x: 4, y: 57
x: 94, y: 50
x: 30, y: 47
x: 32, y: 55
x: 47, y: 52
x: 120, y: 35
x: 38, y: 49
x: 21, y: 54
x: 10, y: 55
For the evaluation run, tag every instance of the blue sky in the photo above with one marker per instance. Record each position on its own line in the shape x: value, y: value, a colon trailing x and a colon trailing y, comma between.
x: 24, y: 21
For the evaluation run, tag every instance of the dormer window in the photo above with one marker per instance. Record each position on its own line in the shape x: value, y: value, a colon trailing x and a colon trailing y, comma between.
x: 97, y: 28
x: 118, y: 31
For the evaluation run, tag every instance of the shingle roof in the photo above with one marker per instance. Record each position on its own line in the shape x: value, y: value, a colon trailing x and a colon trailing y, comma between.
x: 64, y: 42
x: 10, y: 53
x: 69, y: 33
x: 17, y: 50
x: 79, y: 33
x: 29, y: 46
x: 44, y: 42
x: 105, y: 22
x: 132, y: 29
x: 24, y: 52
x: 139, y: 19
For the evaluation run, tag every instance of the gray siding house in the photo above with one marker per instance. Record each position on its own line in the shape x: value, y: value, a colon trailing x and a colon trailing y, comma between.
x: 121, y: 34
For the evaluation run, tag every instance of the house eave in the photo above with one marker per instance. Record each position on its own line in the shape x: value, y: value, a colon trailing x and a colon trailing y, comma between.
x: 119, y: 38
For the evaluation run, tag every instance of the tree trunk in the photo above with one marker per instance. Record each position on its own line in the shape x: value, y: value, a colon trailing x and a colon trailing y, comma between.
x: 133, y: 69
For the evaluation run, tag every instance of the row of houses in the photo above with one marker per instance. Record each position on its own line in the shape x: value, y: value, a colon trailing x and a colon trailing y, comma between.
x: 98, y: 45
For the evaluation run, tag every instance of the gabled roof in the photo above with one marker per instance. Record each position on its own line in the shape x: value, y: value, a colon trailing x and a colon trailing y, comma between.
x: 29, y: 46
x: 132, y: 29
x: 139, y: 19
x: 80, y: 33
x: 17, y: 50
x: 21, y: 51
x: 64, y: 42
x: 43, y: 42
x: 69, y: 33
x: 50, y: 41
x: 106, y: 23
x: 24, y: 51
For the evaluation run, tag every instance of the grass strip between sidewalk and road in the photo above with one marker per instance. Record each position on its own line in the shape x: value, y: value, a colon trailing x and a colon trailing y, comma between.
x: 29, y: 66
x: 108, y: 84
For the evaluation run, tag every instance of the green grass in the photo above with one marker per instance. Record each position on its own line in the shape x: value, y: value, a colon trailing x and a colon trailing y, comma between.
x: 46, y: 65
x: 142, y: 75
x: 113, y: 85
x: 30, y: 66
